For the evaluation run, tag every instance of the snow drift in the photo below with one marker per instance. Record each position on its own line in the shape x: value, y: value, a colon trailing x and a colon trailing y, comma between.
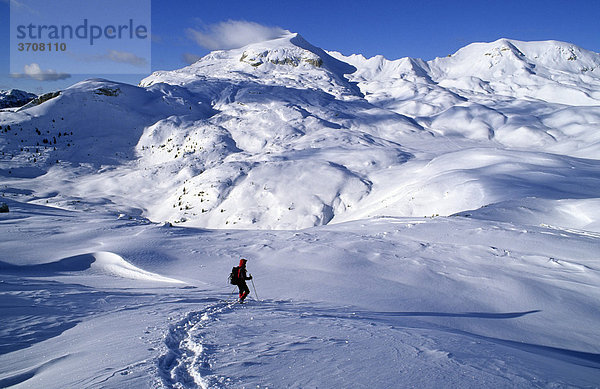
x: 101, y: 262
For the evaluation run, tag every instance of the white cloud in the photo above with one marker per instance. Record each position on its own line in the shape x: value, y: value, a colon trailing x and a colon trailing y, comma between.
x: 233, y: 34
x: 190, y: 58
x: 35, y: 72
x: 124, y: 57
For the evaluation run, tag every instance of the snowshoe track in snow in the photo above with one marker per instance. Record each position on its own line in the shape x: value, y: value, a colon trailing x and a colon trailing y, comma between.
x: 296, y: 345
x: 185, y: 365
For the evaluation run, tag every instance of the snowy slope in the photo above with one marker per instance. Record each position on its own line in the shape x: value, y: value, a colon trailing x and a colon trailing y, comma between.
x: 226, y: 142
x: 417, y: 302
x: 550, y: 71
x: 408, y: 222
x: 520, y: 94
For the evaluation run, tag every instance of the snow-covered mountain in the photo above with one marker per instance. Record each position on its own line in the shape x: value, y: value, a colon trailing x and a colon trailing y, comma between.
x: 436, y: 219
x: 281, y: 134
x: 15, y: 98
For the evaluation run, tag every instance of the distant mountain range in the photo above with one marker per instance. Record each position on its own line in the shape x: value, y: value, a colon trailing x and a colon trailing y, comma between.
x: 284, y: 135
x: 15, y: 98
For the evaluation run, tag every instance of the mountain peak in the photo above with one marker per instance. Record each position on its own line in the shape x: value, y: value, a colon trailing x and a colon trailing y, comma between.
x: 509, y: 56
x: 293, y: 50
x: 289, y: 60
x: 287, y: 50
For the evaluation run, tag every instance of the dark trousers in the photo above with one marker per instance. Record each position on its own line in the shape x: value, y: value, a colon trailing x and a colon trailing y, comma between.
x: 244, y: 291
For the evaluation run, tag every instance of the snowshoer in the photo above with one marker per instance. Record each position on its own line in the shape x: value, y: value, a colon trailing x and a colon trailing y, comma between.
x: 241, y: 280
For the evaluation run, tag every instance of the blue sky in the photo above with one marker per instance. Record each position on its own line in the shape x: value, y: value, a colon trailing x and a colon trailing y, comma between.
x: 395, y: 29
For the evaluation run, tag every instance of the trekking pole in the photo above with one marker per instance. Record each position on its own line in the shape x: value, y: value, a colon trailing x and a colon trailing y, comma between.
x: 253, y: 287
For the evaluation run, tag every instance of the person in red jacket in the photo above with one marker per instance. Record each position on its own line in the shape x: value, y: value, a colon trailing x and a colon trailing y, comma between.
x: 242, y: 277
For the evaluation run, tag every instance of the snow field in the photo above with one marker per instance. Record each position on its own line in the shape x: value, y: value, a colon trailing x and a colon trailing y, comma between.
x: 311, y: 346
x: 418, y: 300
x: 407, y: 223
